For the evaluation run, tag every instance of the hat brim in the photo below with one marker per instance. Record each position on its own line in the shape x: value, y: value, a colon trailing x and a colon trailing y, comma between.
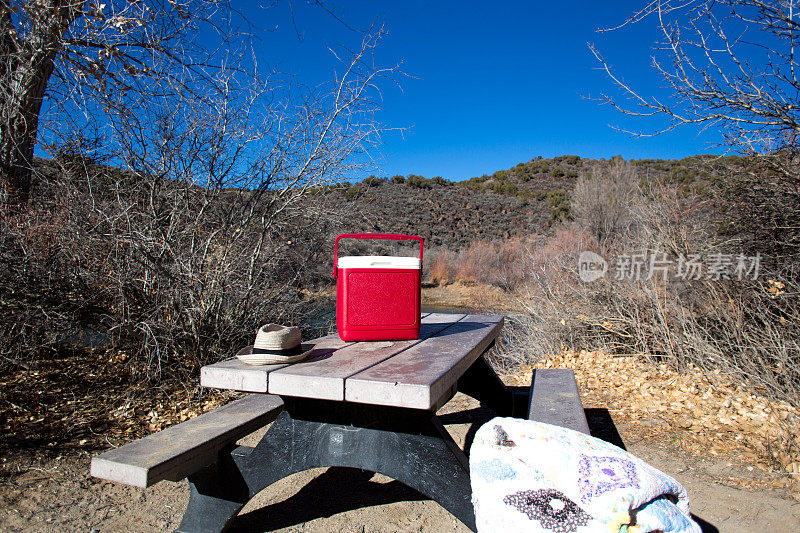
x: 246, y: 355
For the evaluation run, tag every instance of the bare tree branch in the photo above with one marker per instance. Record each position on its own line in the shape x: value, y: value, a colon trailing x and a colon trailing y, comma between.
x: 217, y: 210
x: 729, y: 64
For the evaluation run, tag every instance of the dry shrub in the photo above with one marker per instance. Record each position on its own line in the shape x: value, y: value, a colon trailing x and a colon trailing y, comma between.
x: 174, y: 275
x: 557, y: 253
x: 602, y: 200
x: 548, y: 297
x: 206, y: 226
x: 475, y: 263
x: 40, y: 292
x: 746, y: 328
x: 762, y: 208
x: 498, y: 263
x: 441, y: 266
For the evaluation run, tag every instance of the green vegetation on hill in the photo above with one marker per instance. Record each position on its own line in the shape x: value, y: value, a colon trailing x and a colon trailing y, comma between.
x: 541, y: 175
x: 525, y: 199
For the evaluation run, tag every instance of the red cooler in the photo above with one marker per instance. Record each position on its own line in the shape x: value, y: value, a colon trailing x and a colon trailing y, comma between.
x: 377, y: 297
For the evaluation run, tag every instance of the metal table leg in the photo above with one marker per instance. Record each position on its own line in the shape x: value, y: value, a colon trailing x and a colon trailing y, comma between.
x: 482, y: 383
x: 408, y: 445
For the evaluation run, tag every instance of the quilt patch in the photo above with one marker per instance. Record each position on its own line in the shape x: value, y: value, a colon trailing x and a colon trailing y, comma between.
x: 598, y: 475
x: 552, y: 509
x: 534, y: 477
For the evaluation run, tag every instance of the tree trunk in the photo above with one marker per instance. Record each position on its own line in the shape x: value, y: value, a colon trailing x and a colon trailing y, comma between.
x: 26, y: 63
x: 20, y: 122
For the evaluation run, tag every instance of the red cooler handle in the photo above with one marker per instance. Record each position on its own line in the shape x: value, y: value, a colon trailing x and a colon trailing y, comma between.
x: 387, y: 236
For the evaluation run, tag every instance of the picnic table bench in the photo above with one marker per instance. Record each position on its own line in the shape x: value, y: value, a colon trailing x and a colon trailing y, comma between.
x: 368, y: 405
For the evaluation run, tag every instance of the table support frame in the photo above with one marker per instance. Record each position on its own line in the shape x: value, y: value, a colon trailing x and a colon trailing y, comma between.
x: 408, y: 445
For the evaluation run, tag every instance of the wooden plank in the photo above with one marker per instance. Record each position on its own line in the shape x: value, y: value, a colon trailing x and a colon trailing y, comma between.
x: 416, y: 378
x: 324, y: 379
x: 555, y: 399
x: 184, y: 448
x: 234, y: 374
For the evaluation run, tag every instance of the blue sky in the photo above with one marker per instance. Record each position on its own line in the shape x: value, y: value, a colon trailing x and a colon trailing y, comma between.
x: 491, y: 84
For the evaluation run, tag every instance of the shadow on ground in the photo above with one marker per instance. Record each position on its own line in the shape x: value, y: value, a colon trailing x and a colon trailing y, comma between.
x: 705, y: 526
x: 602, y: 426
x: 338, y: 490
x: 334, y: 491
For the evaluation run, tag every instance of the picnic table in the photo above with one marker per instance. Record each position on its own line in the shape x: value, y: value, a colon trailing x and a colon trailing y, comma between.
x: 367, y: 405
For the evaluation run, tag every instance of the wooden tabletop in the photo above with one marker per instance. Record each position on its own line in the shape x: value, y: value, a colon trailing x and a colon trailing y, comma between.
x: 414, y: 374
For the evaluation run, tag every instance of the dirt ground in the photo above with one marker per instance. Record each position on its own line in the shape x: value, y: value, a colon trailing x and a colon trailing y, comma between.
x: 58, y: 494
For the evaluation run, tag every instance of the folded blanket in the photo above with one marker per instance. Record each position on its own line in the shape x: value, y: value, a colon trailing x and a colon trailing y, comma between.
x: 529, y: 476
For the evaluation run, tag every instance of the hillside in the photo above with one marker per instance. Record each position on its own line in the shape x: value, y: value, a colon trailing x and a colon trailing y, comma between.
x: 523, y: 200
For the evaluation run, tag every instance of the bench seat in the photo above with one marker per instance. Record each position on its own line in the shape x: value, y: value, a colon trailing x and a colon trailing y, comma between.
x: 184, y: 448
x: 554, y: 399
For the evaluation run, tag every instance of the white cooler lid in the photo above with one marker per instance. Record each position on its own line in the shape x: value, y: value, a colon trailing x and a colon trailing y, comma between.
x: 378, y: 261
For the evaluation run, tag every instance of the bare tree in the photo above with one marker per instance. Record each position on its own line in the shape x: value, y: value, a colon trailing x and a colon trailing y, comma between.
x: 91, y: 53
x: 212, y: 216
x: 733, y: 66
x: 730, y: 64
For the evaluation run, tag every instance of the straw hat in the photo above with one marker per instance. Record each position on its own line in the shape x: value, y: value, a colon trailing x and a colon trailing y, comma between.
x: 276, y: 344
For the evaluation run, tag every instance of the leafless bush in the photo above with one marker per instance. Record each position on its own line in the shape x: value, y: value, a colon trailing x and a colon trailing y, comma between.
x: 746, y: 324
x: 551, y: 297
x: 493, y: 263
x: 730, y: 65
x: 441, y: 266
x: 746, y: 327
x: 762, y: 209
x: 498, y: 263
x: 207, y: 230
x: 34, y: 315
x: 602, y: 200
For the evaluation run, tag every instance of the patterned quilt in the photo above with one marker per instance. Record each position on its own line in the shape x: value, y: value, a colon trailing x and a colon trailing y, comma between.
x: 529, y: 476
